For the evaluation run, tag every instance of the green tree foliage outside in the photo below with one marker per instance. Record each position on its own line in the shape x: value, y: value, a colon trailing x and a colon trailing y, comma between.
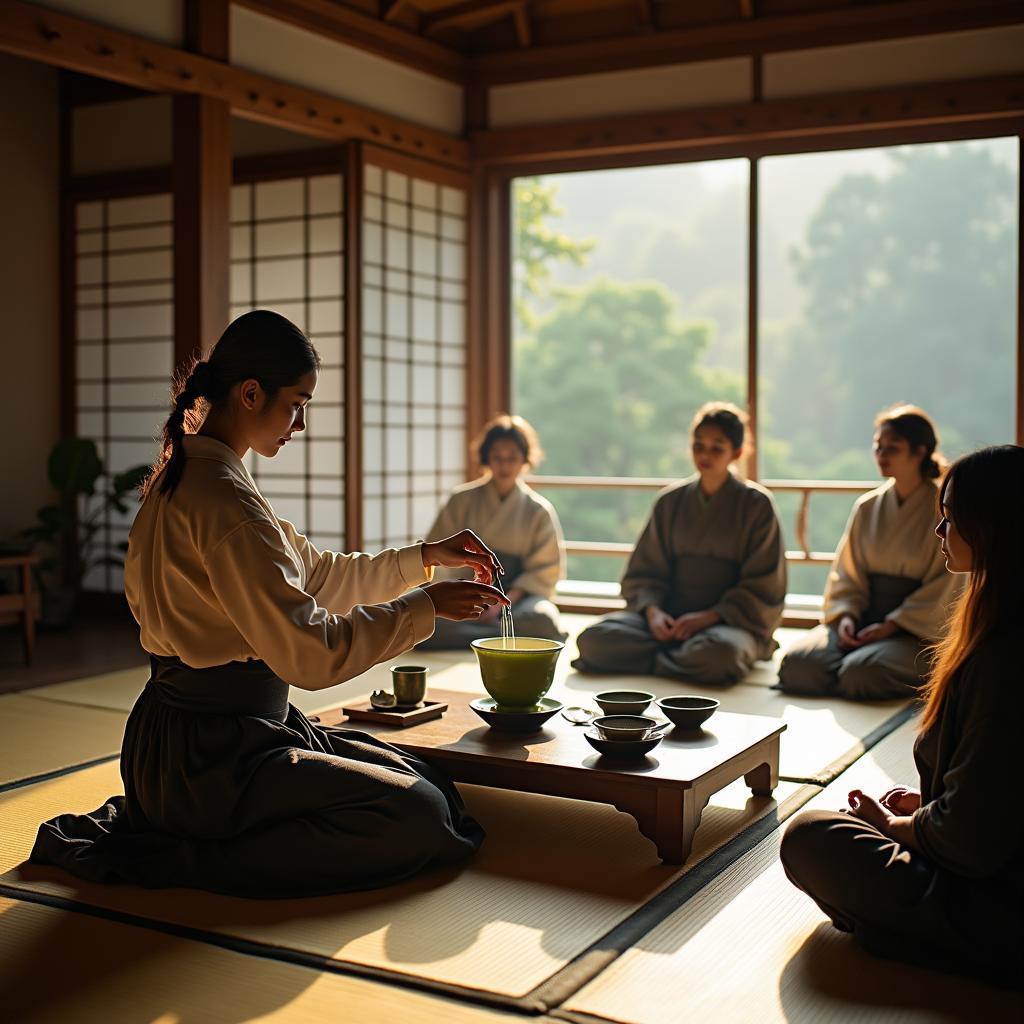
x: 903, y: 288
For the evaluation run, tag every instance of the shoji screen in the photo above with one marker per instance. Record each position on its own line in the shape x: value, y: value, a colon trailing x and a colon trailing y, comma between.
x: 124, y: 352
x: 287, y: 254
x: 414, y: 352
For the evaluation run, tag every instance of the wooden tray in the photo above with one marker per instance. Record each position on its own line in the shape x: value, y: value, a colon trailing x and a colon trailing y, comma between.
x: 366, y: 712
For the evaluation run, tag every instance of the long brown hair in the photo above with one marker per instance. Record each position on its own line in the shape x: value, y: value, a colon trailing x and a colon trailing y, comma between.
x: 261, y: 345
x: 983, y: 496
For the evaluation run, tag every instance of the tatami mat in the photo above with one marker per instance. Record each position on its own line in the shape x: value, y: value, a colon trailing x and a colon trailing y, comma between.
x: 38, y: 737
x: 553, y: 878
x: 752, y: 947
x: 58, y: 966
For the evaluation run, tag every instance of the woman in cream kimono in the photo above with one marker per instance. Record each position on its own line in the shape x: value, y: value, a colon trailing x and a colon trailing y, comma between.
x: 228, y: 787
x: 521, y: 527
x: 888, y: 593
x: 706, y: 582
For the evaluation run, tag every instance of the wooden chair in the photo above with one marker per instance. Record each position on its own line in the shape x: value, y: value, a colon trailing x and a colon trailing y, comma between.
x: 23, y: 603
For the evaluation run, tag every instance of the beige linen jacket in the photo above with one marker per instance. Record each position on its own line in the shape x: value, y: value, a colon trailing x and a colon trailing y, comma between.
x: 213, y: 576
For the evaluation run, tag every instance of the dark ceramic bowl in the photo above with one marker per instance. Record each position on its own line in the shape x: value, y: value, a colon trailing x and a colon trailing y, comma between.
x: 624, y: 749
x: 624, y: 702
x: 516, y: 720
x: 618, y: 728
x: 688, y: 712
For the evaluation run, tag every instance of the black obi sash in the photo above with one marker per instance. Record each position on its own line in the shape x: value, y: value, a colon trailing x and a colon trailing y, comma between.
x: 886, y: 594
x: 241, y: 688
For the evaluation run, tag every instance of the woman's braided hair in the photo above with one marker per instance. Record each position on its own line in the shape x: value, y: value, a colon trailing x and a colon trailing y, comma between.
x: 260, y: 345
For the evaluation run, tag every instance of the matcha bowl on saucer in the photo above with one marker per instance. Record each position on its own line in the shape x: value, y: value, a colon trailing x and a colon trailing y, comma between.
x: 517, y: 671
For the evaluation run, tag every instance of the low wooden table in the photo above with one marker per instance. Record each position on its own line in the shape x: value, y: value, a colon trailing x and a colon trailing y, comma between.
x: 666, y: 792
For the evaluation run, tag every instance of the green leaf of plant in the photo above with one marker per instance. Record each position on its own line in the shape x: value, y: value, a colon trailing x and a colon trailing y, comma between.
x: 74, y: 466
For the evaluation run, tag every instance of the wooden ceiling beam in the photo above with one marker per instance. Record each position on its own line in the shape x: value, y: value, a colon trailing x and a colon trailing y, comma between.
x: 768, y: 121
x: 391, y: 9
x: 857, y: 23
x: 524, y: 32
x: 376, y: 35
x: 63, y: 41
x: 481, y: 11
x: 747, y: 8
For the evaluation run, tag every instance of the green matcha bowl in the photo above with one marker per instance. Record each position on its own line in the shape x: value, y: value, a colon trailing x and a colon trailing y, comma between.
x: 517, y: 672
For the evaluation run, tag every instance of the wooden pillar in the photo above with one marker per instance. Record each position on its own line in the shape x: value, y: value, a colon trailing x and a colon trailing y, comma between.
x: 752, y: 319
x: 1020, y: 291
x: 201, y: 182
x: 353, y: 346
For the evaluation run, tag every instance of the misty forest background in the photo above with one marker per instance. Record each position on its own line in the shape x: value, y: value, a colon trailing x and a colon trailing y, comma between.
x: 885, y: 275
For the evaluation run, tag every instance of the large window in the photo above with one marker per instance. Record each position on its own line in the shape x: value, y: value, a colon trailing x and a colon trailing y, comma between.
x: 630, y: 311
x: 884, y: 275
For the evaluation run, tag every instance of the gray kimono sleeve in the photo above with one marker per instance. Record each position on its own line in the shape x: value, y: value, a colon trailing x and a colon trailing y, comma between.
x: 648, y: 577
x: 756, y: 601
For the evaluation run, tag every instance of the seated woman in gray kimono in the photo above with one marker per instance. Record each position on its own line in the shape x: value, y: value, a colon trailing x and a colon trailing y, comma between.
x: 935, y: 875
x: 228, y: 787
x: 888, y: 593
x: 706, y: 583
x: 518, y: 524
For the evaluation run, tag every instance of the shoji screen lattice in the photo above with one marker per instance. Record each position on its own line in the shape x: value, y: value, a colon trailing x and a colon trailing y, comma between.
x: 124, y: 352
x: 414, y: 352
x: 287, y: 254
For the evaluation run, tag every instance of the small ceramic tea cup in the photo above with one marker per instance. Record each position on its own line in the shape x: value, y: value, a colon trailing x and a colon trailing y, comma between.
x: 624, y: 702
x: 625, y: 727
x: 409, y: 684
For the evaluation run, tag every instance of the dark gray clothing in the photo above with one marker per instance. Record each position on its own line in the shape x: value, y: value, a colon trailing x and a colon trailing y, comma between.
x: 722, y: 553
x: 622, y: 643
x: 231, y: 789
x: 958, y: 904
x: 815, y: 665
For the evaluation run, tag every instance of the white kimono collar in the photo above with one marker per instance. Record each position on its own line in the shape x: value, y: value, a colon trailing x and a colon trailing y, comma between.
x: 199, y: 446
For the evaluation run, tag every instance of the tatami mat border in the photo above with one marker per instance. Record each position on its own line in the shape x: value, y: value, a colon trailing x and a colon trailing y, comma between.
x: 268, y: 951
x: 69, y: 769
x: 540, y: 1000
x: 832, y: 772
x: 591, y: 962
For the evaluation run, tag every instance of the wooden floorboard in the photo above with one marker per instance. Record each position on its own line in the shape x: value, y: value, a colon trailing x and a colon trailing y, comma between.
x: 92, y: 645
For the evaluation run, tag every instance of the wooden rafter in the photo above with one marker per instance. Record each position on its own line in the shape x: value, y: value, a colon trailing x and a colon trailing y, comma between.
x: 524, y: 33
x: 480, y: 11
x: 856, y: 23
x: 391, y: 9
x: 769, y: 121
x: 644, y: 13
x: 57, y: 39
x: 379, y: 35
x: 747, y: 8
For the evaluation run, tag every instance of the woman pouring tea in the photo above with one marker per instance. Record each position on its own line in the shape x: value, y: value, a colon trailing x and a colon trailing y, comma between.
x: 228, y: 787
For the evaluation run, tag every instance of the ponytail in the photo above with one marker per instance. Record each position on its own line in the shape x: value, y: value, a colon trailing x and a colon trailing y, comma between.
x: 194, y: 383
x: 261, y: 345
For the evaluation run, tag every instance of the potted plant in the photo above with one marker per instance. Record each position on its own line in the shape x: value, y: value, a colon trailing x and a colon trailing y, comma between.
x: 69, y: 531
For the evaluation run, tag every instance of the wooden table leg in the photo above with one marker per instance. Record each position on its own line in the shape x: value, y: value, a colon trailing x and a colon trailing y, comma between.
x: 670, y: 821
x: 765, y: 777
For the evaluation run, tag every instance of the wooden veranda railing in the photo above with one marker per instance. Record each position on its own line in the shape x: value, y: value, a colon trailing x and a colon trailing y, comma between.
x: 805, y: 488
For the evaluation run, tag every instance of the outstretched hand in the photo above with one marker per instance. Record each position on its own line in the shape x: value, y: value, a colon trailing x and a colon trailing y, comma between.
x: 463, y: 599
x: 464, y: 549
